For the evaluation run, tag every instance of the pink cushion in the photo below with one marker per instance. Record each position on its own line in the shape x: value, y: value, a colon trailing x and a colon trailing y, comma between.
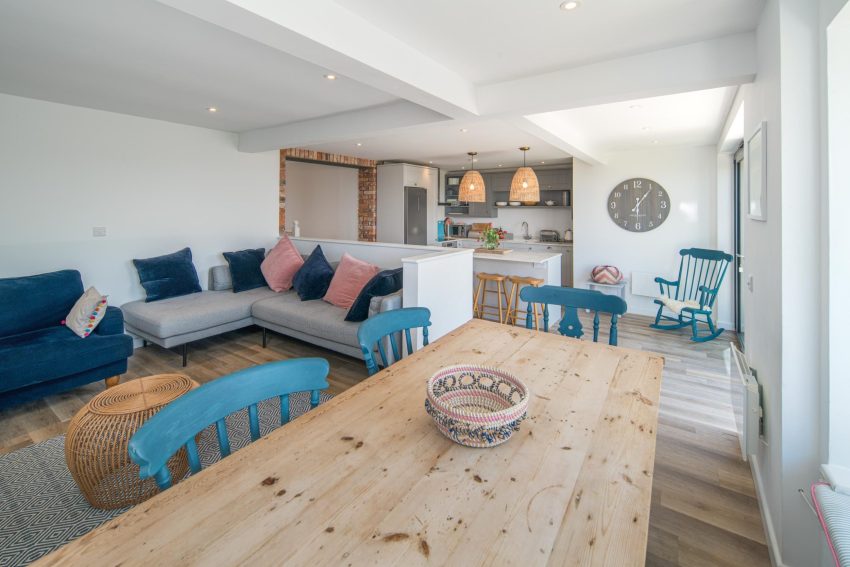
x: 350, y: 278
x: 281, y: 264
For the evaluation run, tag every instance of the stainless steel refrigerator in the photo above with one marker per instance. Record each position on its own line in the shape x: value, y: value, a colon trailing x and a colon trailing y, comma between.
x: 415, y: 216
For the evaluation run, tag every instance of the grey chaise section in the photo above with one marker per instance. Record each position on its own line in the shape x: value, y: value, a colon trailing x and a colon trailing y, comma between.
x: 178, y: 321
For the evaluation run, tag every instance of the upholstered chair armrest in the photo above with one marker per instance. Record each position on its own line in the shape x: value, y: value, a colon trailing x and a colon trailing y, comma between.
x: 112, y: 322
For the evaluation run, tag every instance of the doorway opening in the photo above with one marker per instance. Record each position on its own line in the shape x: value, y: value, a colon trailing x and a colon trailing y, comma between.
x: 738, y: 268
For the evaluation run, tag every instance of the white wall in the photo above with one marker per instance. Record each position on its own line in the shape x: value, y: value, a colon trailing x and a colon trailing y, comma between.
x: 786, y: 310
x: 155, y: 186
x: 838, y: 68
x: 323, y: 199
x: 689, y: 176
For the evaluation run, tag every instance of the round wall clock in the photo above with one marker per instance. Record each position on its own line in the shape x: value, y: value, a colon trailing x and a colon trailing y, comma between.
x: 638, y: 205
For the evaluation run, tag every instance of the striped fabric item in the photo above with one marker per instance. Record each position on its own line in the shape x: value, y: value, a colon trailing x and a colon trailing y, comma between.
x: 833, y: 510
x: 608, y: 275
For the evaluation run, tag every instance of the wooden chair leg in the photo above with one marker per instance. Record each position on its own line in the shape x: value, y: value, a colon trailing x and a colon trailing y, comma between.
x: 113, y: 381
x: 500, y: 291
x: 476, y: 311
x: 512, y: 305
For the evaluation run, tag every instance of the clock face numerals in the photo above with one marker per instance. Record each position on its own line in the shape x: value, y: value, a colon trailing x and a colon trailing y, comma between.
x: 638, y: 205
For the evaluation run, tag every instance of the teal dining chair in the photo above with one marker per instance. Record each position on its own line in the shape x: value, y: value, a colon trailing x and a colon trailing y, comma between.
x: 691, y: 297
x: 571, y: 300
x: 387, y: 327
x: 177, y: 424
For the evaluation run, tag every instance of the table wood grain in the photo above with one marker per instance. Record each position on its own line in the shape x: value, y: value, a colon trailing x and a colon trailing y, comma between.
x: 367, y: 479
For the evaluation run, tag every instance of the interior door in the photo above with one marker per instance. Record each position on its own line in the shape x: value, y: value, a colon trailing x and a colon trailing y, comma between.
x: 415, y: 216
x: 738, y: 262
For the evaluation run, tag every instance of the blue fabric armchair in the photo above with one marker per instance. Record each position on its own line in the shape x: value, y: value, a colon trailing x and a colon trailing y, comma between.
x: 38, y: 355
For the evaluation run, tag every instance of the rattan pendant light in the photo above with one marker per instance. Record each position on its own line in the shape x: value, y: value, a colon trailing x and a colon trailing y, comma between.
x: 472, y: 185
x: 524, y: 186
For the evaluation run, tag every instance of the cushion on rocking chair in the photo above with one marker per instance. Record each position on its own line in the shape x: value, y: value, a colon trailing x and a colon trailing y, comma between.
x: 676, y: 306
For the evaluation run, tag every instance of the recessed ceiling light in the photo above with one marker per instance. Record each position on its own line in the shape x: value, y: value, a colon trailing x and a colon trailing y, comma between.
x: 359, y: 144
x: 464, y: 130
x: 654, y: 141
x: 330, y: 77
x: 646, y: 128
x: 430, y: 162
x: 500, y: 165
x: 635, y: 106
x: 542, y: 162
x: 212, y: 109
x: 570, y: 5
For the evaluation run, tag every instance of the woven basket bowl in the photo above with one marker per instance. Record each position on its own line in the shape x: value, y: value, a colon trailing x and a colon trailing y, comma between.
x: 475, y: 405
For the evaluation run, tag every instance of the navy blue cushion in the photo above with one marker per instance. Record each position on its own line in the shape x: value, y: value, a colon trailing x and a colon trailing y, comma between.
x: 35, y: 302
x: 167, y: 276
x: 383, y: 283
x: 245, y: 269
x: 312, y: 280
x: 56, y: 352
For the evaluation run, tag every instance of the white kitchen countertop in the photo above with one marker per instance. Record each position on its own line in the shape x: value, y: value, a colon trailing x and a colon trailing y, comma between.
x: 518, y: 256
x: 518, y: 241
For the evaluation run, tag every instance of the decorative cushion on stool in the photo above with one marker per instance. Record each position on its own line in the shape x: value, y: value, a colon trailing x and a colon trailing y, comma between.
x: 609, y: 275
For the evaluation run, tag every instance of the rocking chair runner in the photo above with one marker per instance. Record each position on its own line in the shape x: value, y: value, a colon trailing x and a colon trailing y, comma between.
x: 692, y: 296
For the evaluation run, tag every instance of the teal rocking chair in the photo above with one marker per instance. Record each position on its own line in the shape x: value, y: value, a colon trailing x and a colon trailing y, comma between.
x: 177, y: 424
x: 691, y: 297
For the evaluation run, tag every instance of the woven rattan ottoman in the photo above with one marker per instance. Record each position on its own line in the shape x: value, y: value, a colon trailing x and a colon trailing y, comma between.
x: 97, y: 439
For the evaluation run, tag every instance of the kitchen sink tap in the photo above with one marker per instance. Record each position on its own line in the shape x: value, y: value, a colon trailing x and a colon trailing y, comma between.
x: 525, y: 234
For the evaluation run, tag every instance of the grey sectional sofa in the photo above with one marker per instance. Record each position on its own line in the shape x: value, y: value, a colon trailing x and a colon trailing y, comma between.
x: 180, y: 320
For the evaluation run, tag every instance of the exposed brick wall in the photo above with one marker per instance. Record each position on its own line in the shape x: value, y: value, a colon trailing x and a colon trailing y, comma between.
x: 281, y: 213
x: 367, y: 188
x: 367, y: 204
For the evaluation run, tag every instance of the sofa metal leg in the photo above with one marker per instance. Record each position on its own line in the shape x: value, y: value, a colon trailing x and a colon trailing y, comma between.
x: 113, y: 381
x: 144, y: 343
x: 185, y: 354
x: 265, y: 337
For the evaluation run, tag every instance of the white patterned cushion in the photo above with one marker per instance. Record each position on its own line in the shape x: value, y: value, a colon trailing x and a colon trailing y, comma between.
x: 86, y: 313
x: 676, y: 306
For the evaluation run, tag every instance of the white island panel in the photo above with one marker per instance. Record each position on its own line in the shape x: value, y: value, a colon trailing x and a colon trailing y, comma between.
x: 546, y: 266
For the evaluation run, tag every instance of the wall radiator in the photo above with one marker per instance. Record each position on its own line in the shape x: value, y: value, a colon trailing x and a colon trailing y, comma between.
x: 746, y: 402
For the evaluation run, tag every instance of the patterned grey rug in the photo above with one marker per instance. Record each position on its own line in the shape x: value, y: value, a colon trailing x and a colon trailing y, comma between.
x: 41, y: 507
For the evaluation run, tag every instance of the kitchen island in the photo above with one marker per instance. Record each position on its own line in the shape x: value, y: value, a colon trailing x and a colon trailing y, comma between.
x: 543, y: 265
x: 564, y: 248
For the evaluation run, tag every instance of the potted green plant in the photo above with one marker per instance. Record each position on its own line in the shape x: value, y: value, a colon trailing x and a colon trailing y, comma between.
x: 491, y: 238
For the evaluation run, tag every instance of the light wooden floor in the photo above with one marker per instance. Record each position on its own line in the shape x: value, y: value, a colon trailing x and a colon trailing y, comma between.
x: 704, y: 509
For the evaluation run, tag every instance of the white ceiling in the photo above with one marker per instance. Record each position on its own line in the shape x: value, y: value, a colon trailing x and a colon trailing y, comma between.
x: 494, y: 40
x: 685, y: 119
x: 444, y: 145
x: 142, y: 58
x: 411, y: 74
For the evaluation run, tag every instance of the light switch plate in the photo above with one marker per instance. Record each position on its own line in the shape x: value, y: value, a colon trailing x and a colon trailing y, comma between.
x: 98, y: 231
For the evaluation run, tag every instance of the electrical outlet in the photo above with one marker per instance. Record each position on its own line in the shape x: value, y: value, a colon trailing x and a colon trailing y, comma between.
x: 98, y: 231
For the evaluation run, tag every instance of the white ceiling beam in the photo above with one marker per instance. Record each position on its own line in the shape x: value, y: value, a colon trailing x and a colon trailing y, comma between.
x: 338, y: 127
x: 562, y: 136
x: 328, y: 35
x: 725, y: 61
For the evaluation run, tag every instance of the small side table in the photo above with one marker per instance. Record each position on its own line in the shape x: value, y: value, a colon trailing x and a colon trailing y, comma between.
x: 618, y: 289
x: 97, y: 439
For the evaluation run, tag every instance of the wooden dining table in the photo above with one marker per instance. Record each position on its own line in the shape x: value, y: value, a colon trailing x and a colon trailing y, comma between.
x: 367, y: 478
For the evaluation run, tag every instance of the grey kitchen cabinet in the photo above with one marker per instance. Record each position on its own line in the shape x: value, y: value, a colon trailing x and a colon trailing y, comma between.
x: 486, y: 209
x: 566, y: 252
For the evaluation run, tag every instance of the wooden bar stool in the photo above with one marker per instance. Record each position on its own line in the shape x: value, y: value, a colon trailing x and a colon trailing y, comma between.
x: 513, y: 305
x: 479, y: 304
